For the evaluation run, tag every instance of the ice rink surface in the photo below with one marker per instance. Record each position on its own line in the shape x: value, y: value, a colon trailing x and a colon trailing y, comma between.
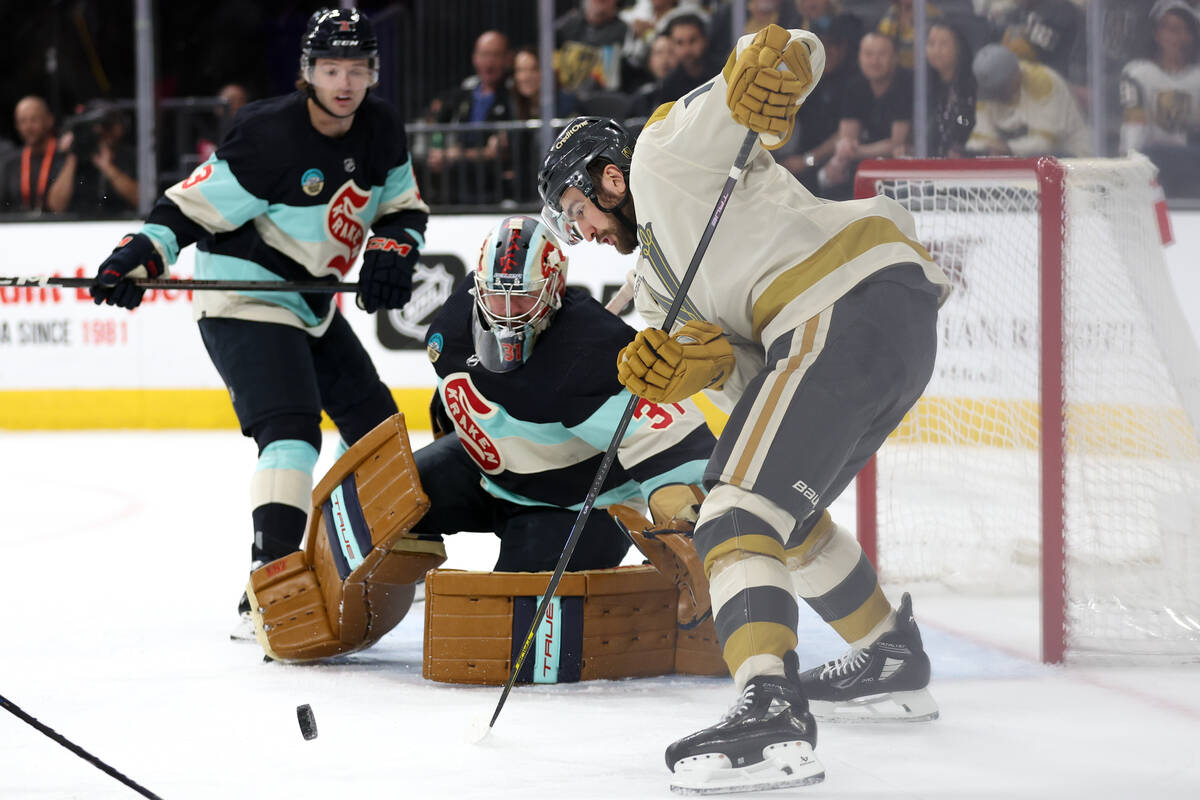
x: 123, y: 555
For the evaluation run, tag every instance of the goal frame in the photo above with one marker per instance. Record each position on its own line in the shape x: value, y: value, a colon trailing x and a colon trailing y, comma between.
x: 1050, y: 177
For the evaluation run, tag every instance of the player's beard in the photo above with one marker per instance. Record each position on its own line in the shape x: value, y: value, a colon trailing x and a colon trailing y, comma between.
x: 623, y: 228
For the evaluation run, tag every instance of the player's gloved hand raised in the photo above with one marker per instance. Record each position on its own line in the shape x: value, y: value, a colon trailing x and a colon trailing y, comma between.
x: 761, y: 96
x: 135, y: 256
x: 385, y: 280
x: 667, y: 369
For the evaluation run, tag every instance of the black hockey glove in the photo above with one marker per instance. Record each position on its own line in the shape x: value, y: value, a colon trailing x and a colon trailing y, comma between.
x: 135, y: 256
x: 385, y: 280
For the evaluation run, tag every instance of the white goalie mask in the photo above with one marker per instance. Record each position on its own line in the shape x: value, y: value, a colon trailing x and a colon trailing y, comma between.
x: 519, y: 285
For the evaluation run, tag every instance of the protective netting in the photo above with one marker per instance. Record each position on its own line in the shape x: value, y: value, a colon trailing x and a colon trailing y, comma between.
x: 959, y: 483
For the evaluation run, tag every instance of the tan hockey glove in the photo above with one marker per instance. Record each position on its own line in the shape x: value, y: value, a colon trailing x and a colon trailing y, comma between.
x: 667, y: 369
x: 761, y: 96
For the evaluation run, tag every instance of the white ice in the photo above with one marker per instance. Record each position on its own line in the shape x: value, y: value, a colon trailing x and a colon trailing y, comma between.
x: 123, y: 555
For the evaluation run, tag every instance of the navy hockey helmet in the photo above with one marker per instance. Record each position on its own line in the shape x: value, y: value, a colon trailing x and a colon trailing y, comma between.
x: 519, y: 284
x: 338, y: 33
x: 583, y: 141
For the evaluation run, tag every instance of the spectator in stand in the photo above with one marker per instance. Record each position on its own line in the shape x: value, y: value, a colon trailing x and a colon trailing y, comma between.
x: 647, y: 19
x: 1024, y: 109
x: 235, y: 96
x: 951, y: 91
x: 876, y: 117
x: 590, y: 40
x: 1044, y: 32
x: 464, y: 167
x: 106, y: 163
x: 897, y: 25
x: 818, y: 15
x: 694, y: 62
x: 818, y: 120
x: 662, y: 61
x: 40, y: 175
x: 759, y: 14
x: 522, y: 148
x: 1161, y: 99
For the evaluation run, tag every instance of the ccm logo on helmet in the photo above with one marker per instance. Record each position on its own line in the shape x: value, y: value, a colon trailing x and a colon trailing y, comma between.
x: 563, y: 139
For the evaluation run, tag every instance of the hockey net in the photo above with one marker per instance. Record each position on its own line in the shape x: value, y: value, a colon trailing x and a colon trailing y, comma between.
x: 1055, y: 450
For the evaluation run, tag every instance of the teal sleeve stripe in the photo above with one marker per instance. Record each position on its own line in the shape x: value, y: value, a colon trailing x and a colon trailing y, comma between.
x: 288, y: 454
x: 399, y: 180
x: 228, y: 197
x: 503, y: 426
x: 211, y: 266
x: 597, y: 430
x: 420, y: 240
x: 164, y: 237
x: 619, y: 494
x: 687, y: 472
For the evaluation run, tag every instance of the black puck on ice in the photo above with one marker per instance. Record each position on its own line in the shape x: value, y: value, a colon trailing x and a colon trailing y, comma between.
x: 308, y: 723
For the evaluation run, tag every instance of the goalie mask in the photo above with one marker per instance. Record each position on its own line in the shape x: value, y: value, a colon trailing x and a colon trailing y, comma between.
x: 519, y: 285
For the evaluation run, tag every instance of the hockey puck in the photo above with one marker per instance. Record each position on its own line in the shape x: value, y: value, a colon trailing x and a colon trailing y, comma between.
x: 308, y: 723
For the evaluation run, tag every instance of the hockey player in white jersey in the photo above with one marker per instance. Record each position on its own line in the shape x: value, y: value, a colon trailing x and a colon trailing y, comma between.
x: 813, y: 324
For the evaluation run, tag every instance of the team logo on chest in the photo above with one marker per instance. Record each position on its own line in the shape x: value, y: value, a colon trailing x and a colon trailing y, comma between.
x: 312, y: 182
x: 344, y: 225
x: 652, y: 253
x: 465, y: 405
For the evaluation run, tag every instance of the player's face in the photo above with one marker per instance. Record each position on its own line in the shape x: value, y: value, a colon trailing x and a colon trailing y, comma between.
x: 341, y: 83
x: 596, y: 225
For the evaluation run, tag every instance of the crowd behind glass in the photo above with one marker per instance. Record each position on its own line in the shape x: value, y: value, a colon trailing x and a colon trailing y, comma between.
x: 1000, y: 77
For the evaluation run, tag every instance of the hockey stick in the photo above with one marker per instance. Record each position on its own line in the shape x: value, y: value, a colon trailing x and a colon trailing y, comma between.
x: 610, y: 455
x: 74, y: 748
x: 43, y: 281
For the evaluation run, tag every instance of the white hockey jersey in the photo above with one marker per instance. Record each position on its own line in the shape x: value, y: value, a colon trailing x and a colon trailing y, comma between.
x: 1045, y: 119
x: 1159, y: 107
x: 779, y: 255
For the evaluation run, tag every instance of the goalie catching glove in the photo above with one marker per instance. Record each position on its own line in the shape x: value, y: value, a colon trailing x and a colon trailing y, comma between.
x: 761, y: 96
x: 667, y: 369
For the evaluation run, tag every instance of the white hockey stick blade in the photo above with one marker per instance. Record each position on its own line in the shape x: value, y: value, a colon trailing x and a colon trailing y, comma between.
x: 784, y: 764
x: 914, y: 706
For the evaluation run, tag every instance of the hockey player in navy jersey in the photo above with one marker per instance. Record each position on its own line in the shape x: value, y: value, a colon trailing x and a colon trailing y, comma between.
x: 291, y: 194
x: 528, y: 382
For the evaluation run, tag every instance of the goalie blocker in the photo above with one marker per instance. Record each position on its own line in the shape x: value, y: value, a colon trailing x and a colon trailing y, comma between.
x: 355, y: 578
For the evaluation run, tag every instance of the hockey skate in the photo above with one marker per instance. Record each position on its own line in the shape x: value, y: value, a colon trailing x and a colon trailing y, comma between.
x: 765, y: 741
x: 244, y: 632
x: 885, y: 681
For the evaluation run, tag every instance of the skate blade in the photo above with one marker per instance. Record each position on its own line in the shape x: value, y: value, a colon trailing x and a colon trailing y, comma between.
x: 244, y: 632
x: 784, y: 764
x: 914, y: 706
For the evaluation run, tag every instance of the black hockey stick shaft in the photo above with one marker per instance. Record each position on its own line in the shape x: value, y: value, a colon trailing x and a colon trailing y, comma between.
x: 12, y: 708
x: 42, y: 281
x: 610, y: 455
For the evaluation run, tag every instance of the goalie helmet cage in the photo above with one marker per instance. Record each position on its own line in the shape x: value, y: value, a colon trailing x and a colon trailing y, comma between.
x: 1054, y: 452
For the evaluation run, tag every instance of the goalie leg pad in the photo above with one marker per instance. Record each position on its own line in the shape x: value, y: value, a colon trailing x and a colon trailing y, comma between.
x: 354, y: 580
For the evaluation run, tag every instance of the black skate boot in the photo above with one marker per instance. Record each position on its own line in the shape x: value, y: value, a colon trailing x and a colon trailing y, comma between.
x: 765, y: 741
x: 887, y: 680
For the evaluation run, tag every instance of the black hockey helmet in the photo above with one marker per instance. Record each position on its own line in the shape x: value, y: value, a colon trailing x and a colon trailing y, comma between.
x: 338, y: 33
x: 581, y: 142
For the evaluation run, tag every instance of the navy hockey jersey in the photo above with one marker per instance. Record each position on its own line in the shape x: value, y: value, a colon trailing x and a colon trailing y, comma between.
x: 538, y: 433
x: 280, y: 201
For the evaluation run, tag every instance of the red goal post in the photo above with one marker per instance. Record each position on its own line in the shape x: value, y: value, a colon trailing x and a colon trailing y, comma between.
x: 1055, y: 406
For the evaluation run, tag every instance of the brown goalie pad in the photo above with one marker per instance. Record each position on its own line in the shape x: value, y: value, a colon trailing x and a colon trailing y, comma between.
x: 608, y: 623
x: 354, y: 580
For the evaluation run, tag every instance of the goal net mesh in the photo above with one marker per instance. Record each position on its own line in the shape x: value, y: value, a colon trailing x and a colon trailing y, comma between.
x: 958, y: 484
